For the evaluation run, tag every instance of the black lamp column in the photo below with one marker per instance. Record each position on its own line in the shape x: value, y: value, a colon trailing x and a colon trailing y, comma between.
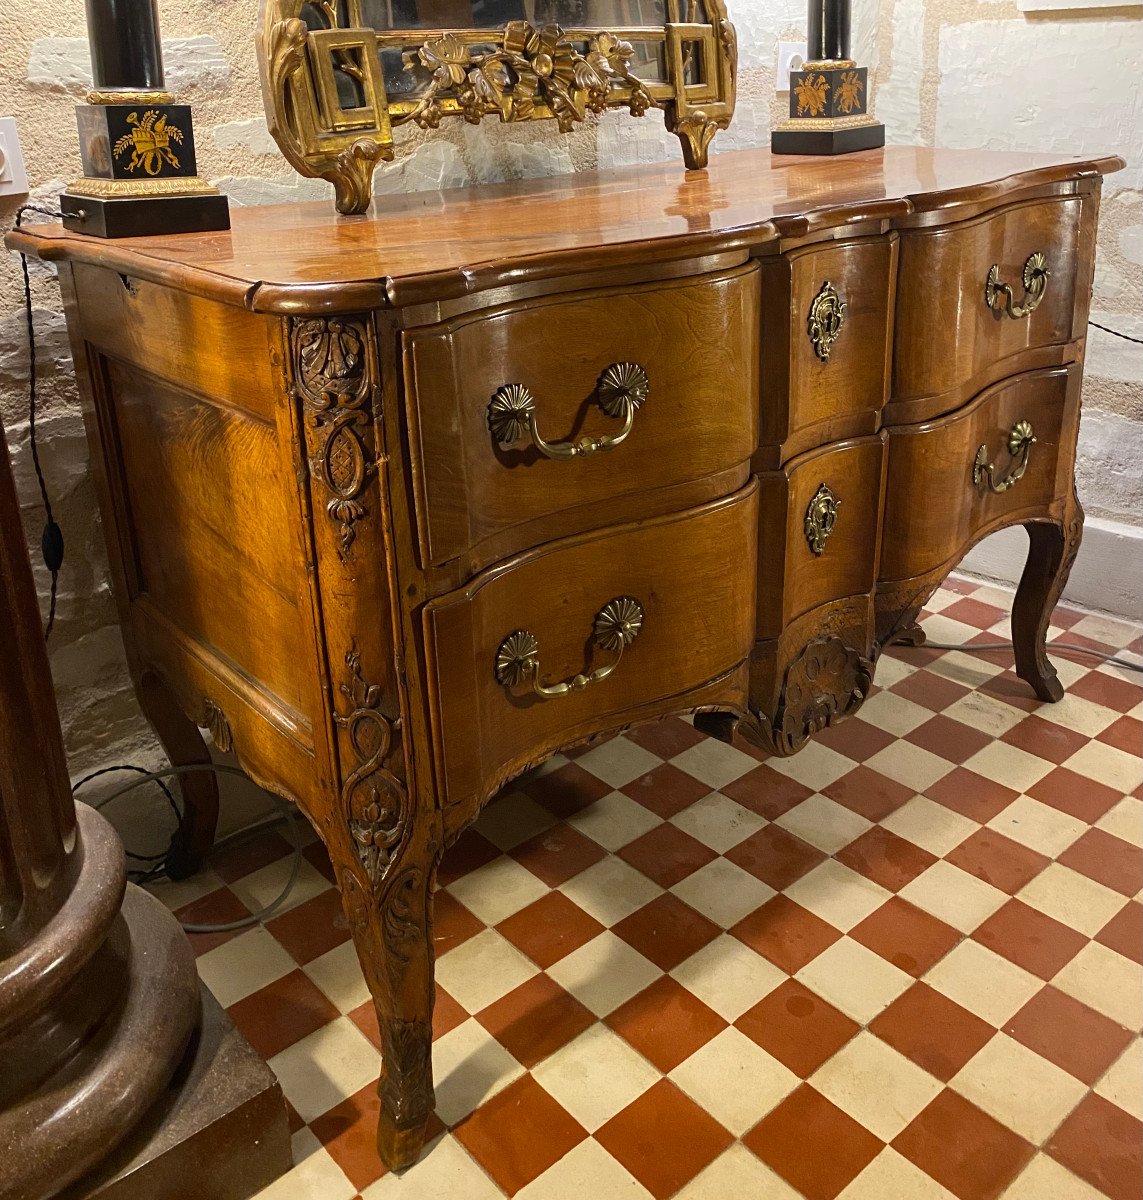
x: 137, y: 146
x: 829, y: 97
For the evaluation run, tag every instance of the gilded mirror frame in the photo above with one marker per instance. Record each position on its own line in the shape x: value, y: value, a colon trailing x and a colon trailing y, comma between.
x: 519, y: 72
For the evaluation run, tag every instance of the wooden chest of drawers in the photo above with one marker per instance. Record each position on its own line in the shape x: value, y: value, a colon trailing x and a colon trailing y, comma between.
x: 398, y: 506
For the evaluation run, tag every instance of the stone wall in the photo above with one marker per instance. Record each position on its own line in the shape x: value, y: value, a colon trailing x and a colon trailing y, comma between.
x: 970, y: 73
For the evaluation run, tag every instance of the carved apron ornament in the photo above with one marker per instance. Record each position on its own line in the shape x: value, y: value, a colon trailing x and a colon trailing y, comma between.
x: 333, y: 375
x: 827, y: 681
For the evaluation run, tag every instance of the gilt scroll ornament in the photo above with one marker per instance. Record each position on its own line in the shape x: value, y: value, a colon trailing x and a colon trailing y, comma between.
x: 374, y: 799
x: 334, y: 377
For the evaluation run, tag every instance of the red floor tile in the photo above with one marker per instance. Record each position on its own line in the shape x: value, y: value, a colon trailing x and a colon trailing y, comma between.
x: 664, y: 1139
x: 1011, y: 689
x: 1031, y: 939
x: 971, y: 795
x: 948, y: 739
x: 558, y: 854
x: 971, y: 611
x: 349, y: 1133
x: 666, y: 931
x: 887, y: 859
x: 313, y: 927
x: 666, y: 738
x: 1126, y: 734
x: 666, y: 790
x: 906, y: 936
x: 855, y: 738
x: 812, y: 1144
x: 1102, y: 1144
x: 786, y: 933
x: 998, y: 860
x: 1108, y: 860
x: 249, y: 854
x: 535, y: 1020
x: 1124, y: 932
x: 963, y: 1149
x: 797, y: 1027
x: 931, y: 691
x: 318, y: 857
x: 666, y: 1023
x: 931, y: 1030
x: 1044, y: 739
x: 1108, y: 690
x: 519, y: 1133
x: 767, y: 792
x: 566, y: 790
x: 469, y: 851
x: 282, y: 1013
x: 447, y: 1014
x: 776, y: 857
x: 1075, y: 794
x: 452, y: 923
x: 666, y: 854
x: 1064, y: 1031
x: 869, y: 793
x: 550, y: 928
x: 219, y: 907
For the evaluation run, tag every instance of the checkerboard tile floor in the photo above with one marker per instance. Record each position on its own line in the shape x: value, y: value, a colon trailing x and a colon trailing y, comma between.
x: 901, y: 965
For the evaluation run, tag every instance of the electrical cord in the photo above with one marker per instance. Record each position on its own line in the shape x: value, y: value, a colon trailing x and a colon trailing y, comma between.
x: 285, y: 814
x: 51, y: 540
x: 1115, y: 332
x: 968, y: 647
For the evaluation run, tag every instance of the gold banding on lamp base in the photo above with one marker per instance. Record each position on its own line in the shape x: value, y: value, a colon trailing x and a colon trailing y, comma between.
x: 829, y: 96
x: 136, y: 144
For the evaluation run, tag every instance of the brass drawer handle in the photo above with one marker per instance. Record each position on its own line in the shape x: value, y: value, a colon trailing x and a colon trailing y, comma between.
x: 826, y: 320
x: 1020, y: 440
x: 616, y: 626
x: 622, y: 389
x: 999, y: 298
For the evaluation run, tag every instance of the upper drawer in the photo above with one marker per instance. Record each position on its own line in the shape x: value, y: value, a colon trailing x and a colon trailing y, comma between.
x: 668, y: 605
x: 827, y: 313
x: 686, y: 351
x: 973, y: 296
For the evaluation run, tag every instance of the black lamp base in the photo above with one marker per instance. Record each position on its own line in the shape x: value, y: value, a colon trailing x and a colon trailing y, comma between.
x: 827, y: 141
x: 142, y: 216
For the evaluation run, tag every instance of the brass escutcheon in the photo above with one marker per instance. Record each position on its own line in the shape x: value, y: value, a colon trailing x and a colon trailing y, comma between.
x: 1020, y: 442
x: 616, y: 626
x: 826, y: 320
x: 998, y: 296
x: 821, y: 517
x: 622, y: 389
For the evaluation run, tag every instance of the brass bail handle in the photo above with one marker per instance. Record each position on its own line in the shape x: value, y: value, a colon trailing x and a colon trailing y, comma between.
x: 616, y: 626
x: 621, y: 390
x: 1020, y: 442
x: 998, y: 296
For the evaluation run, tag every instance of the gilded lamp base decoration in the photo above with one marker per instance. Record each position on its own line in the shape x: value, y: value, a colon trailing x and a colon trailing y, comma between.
x: 137, y: 146
x: 829, y: 96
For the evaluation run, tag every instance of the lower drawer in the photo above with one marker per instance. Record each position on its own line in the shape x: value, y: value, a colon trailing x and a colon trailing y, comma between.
x: 951, y: 480
x: 667, y: 604
x: 820, y: 521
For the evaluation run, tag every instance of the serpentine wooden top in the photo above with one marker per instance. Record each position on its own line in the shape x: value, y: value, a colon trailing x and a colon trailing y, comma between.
x: 299, y: 258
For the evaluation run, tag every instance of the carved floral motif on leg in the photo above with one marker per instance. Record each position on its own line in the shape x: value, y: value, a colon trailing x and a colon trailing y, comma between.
x: 333, y: 376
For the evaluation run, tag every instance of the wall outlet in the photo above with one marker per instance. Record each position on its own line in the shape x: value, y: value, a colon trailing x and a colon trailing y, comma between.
x: 791, y: 57
x: 13, y: 176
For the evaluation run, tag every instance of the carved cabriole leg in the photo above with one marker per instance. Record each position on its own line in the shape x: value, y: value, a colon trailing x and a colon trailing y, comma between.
x: 184, y: 746
x: 1052, y: 551
x: 383, y: 841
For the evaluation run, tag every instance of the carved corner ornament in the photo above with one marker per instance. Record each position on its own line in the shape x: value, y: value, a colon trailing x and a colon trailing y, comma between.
x: 334, y: 377
x: 215, y: 723
x: 374, y: 799
x: 328, y: 108
x: 828, y: 680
